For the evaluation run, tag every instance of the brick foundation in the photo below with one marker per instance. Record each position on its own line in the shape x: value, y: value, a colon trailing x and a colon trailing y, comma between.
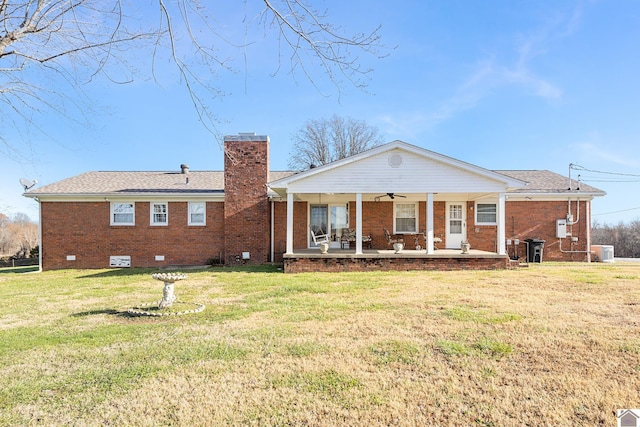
x: 300, y: 264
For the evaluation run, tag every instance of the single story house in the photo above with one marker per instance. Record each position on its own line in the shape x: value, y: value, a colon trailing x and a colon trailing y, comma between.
x: 248, y: 214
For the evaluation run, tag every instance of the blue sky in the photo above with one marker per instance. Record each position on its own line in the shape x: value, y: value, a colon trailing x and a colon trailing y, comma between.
x: 501, y: 84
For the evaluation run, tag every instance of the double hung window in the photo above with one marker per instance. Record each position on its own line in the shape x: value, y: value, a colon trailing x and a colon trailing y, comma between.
x: 197, y: 213
x: 122, y: 213
x: 486, y: 214
x: 159, y: 213
x: 406, y: 218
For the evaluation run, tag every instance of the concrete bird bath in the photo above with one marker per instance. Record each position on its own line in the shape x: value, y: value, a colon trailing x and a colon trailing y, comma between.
x: 167, y: 305
x: 169, y: 279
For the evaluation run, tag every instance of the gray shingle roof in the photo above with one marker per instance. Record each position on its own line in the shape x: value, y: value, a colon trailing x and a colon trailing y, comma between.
x: 212, y: 182
x: 129, y: 183
x: 544, y: 181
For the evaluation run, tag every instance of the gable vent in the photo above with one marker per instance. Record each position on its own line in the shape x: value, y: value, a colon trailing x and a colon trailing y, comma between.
x: 395, y: 160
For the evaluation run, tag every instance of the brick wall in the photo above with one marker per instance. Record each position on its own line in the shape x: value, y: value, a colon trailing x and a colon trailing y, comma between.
x: 537, y: 220
x: 246, y: 207
x: 524, y: 220
x: 83, y: 229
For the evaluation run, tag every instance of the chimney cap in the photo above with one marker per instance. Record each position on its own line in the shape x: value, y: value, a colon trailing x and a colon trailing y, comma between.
x: 246, y: 136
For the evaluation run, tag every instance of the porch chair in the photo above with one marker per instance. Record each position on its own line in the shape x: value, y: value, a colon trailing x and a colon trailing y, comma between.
x: 391, y: 239
x: 349, y: 235
x: 319, y: 238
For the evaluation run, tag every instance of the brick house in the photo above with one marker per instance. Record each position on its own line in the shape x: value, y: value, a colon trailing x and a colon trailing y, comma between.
x: 249, y: 214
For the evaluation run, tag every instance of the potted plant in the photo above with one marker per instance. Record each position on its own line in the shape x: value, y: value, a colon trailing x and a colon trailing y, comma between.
x: 465, y: 246
x: 398, y: 247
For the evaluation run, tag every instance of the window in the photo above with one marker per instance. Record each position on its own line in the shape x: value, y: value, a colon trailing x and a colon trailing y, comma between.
x: 159, y: 214
x: 406, y: 218
x: 197, y: 211
x: 486, y: 213
x: 122, y: 213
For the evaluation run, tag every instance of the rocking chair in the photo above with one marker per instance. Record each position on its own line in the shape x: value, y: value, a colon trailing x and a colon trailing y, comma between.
x: 391, y: 239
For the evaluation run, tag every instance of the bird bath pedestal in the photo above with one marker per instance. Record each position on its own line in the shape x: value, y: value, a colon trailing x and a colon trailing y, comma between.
x: 169, y: 279
x: 169, y: 304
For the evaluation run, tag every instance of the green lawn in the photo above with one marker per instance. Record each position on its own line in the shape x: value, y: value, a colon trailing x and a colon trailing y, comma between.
x: 552, y: 344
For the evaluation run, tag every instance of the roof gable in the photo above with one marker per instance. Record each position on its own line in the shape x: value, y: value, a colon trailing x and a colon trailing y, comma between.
x: 397, y: 167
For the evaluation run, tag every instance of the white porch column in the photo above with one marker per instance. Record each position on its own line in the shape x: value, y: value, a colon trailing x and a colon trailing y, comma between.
x: 502, y: 246
x: 429, y: 229
x: 358, y: 223
x: 289, y: 223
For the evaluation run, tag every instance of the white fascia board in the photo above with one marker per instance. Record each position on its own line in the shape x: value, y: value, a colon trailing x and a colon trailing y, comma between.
x: 550, y: 197
x: 138, y: 197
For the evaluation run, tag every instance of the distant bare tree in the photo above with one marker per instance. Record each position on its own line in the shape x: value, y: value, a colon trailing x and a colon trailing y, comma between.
x: 78, y: 39
x: 6, y: 236
x: 625, y: 238
x: 18, y: 235
x: 326, y: 140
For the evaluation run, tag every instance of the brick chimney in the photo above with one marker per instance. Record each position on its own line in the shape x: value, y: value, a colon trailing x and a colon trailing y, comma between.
x: 246, y: 206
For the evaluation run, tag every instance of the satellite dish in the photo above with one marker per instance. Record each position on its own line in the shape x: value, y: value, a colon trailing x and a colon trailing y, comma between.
x: 27, y: 184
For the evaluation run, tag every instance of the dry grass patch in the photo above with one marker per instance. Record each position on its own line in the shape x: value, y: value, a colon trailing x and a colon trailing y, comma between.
x: 554, y: 344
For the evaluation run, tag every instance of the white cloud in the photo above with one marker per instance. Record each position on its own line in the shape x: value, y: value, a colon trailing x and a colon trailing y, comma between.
x: 491, y: 75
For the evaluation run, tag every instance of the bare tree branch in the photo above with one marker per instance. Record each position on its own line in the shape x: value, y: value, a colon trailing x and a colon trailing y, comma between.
x: 81, y: 39
x: 326, y: 140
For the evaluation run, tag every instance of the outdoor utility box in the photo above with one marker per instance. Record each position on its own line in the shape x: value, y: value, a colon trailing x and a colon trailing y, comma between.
x: 561, y: 228
x: 534, y: 250
x: 604, y: 253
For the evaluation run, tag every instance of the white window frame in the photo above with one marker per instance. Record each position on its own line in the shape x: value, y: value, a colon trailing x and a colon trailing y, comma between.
x: 112, y: 213
x: 495, y: 212
x: 152, y: 218
x: 204, y: 213
x: 395, y: 217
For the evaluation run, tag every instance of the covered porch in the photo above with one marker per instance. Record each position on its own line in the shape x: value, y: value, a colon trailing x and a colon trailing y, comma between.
x: 432, y: 202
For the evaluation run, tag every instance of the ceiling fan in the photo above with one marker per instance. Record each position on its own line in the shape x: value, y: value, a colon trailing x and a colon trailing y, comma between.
x: 389, y: 195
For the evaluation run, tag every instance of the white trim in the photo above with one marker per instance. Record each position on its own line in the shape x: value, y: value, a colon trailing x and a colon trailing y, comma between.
x: 358, y: 223
x: 475, y: 212
x: 289, y: 224
x: 501, y: 231
x: 146, y: 197
x: 429, y: 237
x: 417, y: 218
x: 111, y: 213
x: 272, y: 231
x: 204, y: 218
x: 152, y: 214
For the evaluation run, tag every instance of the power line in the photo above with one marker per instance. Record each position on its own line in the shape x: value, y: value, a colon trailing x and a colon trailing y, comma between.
x: 608, y: 180
x: 624, y: 210
x: 582, y: 168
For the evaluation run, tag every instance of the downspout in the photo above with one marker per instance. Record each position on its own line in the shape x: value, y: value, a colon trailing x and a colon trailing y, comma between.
x: 39, y: 234
x: 588, y: 225
x: 271, y: 243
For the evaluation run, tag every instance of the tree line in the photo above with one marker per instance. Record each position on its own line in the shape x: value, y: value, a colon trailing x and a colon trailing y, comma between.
x: 624, y: 237
x: 18, y: 236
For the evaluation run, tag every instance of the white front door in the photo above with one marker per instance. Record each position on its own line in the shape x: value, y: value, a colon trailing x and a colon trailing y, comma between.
x: 456, y: 224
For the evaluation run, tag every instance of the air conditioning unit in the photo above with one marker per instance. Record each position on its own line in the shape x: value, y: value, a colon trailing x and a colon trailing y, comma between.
x: 604, y: 253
